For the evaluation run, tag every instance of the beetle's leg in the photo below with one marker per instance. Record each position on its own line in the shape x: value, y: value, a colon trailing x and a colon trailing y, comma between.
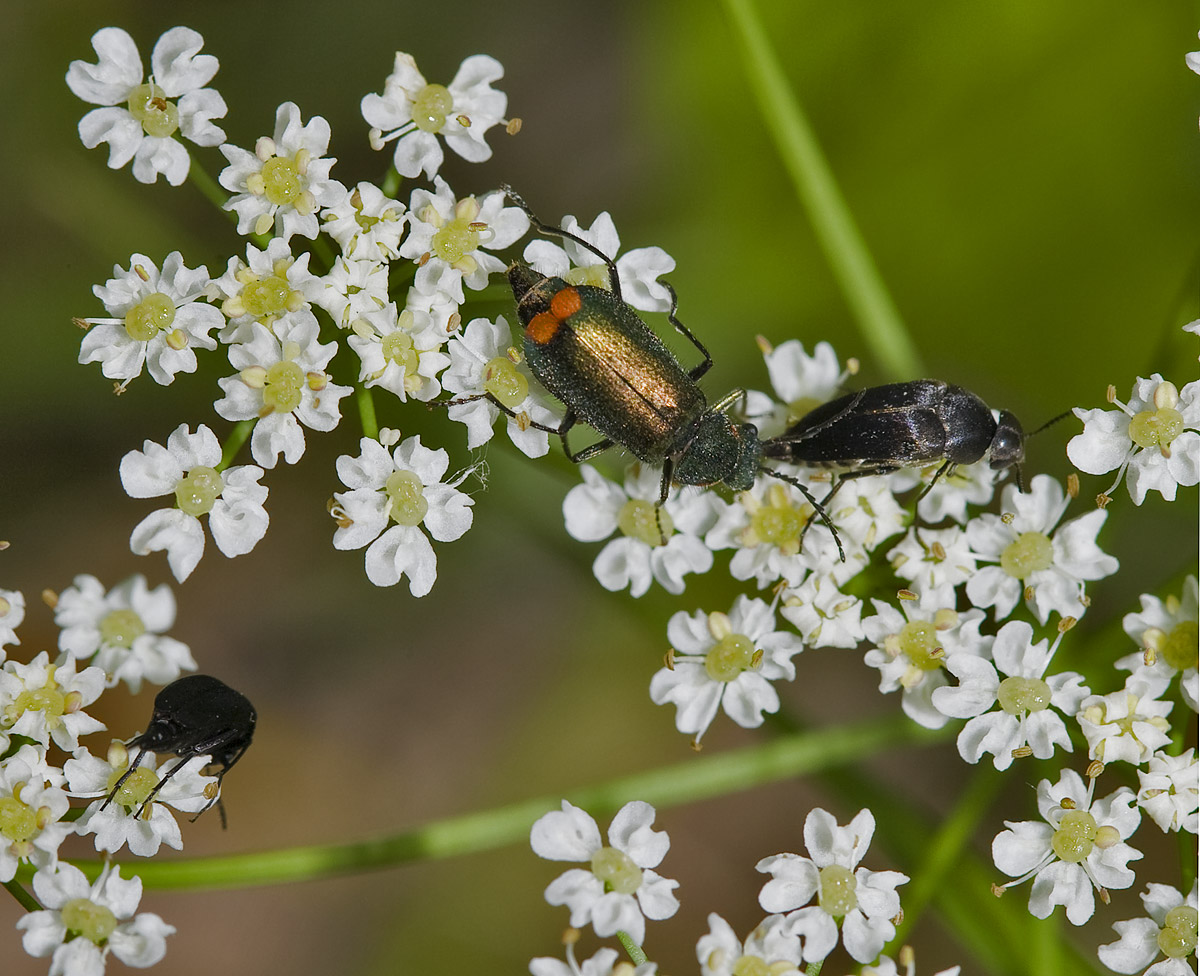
x: 699, y: 370
x: 822, y: 507
x: 125, y: 775
x: 934, y: 480
x: 544, y: 228
x: 458, y: 401
x: 664, y: 492
x: 818, y: 507
x: 183, y: 760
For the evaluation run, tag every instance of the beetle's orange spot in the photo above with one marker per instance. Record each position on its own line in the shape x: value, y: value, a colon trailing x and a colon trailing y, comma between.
x: 566, y: 303
x: 542, y: 327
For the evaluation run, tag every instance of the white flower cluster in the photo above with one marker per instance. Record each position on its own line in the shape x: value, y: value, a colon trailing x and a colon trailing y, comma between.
x: 328, y: 267
x: 816, y: 900
x: 106, y: 638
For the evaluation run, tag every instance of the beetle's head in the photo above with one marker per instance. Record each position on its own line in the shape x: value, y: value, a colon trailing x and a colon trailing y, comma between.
x: 1008, y: 443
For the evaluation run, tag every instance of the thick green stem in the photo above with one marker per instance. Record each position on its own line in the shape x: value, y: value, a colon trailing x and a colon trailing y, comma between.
x: 235, y: 440
x: 23, y: 897
x: 636, y: 954
x: 366, y: 412
x: 698, y: 778
x: 832, y: 222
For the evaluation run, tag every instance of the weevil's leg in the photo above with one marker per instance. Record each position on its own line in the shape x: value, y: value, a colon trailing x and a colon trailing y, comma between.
x: 699, y: 370
x: 544, y: 228
x: 818, y: 508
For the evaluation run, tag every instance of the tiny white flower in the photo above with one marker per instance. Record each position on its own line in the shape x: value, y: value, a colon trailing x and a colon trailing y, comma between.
x: 282, y: 184
x: 725, y: 661
x: 31, y: 829
x: 416, y: 113
x: 124, y: 628
x: 142, y: 118
x: 863, y: 902
x: 886, y: 966
x: 1152, y: 440
x: 618, y: 891
x: 769, y: 949
x: 404, y: 487
x: 480, y: 364
x: 366, y: 224
x: 638, y: 270
x: 81, y: 925
x: 12, y: 614
x: 123, y: 821
x: 763, y: 525
x: 912, y: 645
x: 399, y: 352
x: 1047, y: 566
x: 45, y: 701
x: 281, y: 382
x: 823, y: 614
x: 934, y: 562
x: 1169, y: 931
x: 1080, y: 846
x: 1127, y: 725
x: 158, y: 322
x: 266, y: 286
x: 604, y: 962
x: 1167, y: 632
x: 801, y: 382
x: 1028, y: 720
x: 1169, y: 791
x: 437, y: 294
x: 352, y: 289
x: 597, y: 508
x: 447, y: 232
x: 186, y: 468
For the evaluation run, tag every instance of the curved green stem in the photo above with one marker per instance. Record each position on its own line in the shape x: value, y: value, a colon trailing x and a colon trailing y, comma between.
x: 209, y: 187
x: 943, y: 853
x: 23, y: 897
x: 637, y: 955
x: 233, y: 443
x: 366, y: 412
x: 696, y: 779
x: 836, y: 232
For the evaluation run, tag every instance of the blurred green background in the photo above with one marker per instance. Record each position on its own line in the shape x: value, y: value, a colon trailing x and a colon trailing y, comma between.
x: 1025, y: 176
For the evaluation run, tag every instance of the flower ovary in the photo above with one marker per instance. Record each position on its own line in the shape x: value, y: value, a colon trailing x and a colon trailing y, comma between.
x: 406, y: 498
x: 505, y: 382
x: 284, y: 383
x: 839, y: 891
x: 121, y: 627
x: 158, y: 116
x: 149, y: 317
x: 1180, y: 649
x: 282, y: 181
x: 1017, y: 695
x: 732, y: 654
x: 1177, y: 939
x: 197, y: 491
x: 431, y: 106
x: 1156, y: 428
x: 1030, y: 553
x: 645, y: 522
x: 1075, y: 836
x: 18, y: 821
x: 617, y: 870
x: 919, y: 643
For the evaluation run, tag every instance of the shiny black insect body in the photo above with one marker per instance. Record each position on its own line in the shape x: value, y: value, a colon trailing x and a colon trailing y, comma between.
x: 885, y: 428
x: 590, y: 349
x: 195, y: 716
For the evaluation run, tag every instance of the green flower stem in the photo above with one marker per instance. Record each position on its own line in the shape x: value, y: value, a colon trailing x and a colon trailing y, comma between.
x: 636, y: 954
x: 233, y: 443
x: 697, y: 779
x: 23, y: 897
x: 366, y: 412
x: 212, y: 192
x: 814, y: 968
x: 943, y: 854
x: 839, y: 237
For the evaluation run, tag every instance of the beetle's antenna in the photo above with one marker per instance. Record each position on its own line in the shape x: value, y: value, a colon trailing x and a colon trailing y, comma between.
x: 1050, y: 423
x: 543, y: 228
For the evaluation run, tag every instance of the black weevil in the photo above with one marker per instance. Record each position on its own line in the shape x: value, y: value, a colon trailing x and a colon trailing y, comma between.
x: 193, y: 716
